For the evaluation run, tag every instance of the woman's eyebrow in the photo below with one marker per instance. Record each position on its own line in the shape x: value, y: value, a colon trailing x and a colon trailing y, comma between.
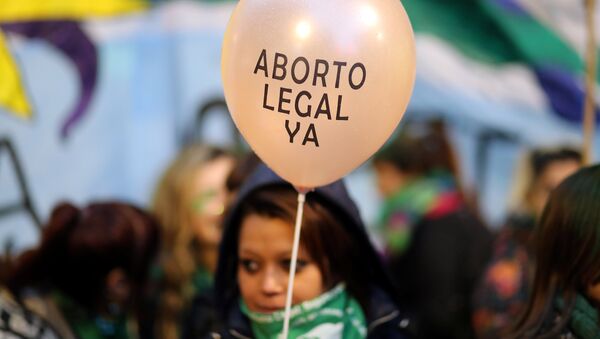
x: 246, y: 251
x: 288, y: 255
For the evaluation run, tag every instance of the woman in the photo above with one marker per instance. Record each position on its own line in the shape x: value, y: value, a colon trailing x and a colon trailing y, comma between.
x: 340, y: 289
x: 435, y: 247
x: 504, y: 288
x: 566, y: 286
x: 88, y: 275
x: 189, y: 203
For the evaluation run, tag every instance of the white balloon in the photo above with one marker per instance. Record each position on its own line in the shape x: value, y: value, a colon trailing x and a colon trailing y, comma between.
x: 317, y: 86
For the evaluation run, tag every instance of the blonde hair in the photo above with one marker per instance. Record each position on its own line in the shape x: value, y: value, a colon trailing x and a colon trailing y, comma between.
x: 171, y: 204
x: 522, y: 182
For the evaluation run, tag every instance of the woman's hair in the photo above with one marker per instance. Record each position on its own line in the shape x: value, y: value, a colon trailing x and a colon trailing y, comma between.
x: 243, y: 168
x: 323, y: 235
x: 531, y: 168
x: 567, y: 248
x: 80, y: 247
x: 172, y: 204
x: 420, y: 147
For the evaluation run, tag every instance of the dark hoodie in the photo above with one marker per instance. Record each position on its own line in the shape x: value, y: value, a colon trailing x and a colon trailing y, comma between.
x: 384, y: 320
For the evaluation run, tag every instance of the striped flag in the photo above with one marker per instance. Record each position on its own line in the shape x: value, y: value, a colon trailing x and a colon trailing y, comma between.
x: 504, y: 50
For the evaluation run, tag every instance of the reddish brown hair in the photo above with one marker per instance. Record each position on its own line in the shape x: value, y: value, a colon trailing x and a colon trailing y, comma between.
x: 80, y: 247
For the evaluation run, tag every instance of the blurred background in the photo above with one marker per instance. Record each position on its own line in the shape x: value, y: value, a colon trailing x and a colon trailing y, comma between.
x: 97, y: 97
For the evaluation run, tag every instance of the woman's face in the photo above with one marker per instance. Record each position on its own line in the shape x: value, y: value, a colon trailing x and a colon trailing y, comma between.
x: 208, y: 200
x: 265, y: 249
x: 389, y: 178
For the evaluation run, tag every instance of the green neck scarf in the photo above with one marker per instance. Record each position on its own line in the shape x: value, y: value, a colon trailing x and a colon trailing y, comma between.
x: 333, y: 314
x: 584, y: 318
x: 88, y: 326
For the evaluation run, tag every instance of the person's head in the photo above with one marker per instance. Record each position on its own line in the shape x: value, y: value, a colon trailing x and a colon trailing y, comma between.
x: 97, y: 255
x: 189, y: 202
x: 567, y: 246
x: 265, y: 246
x: 256, y: 250
x: 548, y: 168
x: 538, y: 173
x: 419, y: 148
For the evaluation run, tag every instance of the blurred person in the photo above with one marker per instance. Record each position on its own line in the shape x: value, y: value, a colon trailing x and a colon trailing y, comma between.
x: 88, y: 275
x: 565, y: 293
x: 504, y: 288
x: 189, y: 202
x: 340, y: 288
x: 435, y: 246
x: 196, y: 323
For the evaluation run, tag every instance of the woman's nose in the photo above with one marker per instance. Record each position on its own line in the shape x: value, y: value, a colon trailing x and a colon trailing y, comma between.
x: 273, y: 282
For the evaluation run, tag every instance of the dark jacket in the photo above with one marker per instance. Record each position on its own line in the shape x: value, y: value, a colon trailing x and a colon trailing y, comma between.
x: 384, y: 319
x: 437, y: 273
x: 200, y: 320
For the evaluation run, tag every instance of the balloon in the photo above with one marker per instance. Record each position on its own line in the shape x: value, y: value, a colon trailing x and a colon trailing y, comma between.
x: 317, y: 86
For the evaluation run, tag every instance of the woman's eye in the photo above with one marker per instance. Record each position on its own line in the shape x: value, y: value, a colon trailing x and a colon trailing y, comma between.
x: 300, y: 264
x: 249, y: 265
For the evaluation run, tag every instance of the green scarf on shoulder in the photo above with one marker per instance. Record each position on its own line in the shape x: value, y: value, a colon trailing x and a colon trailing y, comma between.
x: 89, y: 326
x: 583, y: 320
x: 334, y: 314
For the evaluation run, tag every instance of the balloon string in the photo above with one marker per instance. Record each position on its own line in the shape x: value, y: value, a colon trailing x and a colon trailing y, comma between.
x: 288, y: 300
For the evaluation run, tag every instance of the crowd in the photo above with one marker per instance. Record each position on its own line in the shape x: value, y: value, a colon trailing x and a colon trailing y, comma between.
x: 210, y: 256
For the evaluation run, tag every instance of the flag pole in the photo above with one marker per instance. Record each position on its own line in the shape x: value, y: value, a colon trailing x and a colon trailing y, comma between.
x: 589, y: 118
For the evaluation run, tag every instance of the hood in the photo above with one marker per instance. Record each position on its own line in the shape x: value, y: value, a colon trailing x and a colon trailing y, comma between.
x: 336, y: 197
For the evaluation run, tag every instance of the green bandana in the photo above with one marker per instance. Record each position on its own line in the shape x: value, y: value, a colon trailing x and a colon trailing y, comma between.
x: 332, y: 315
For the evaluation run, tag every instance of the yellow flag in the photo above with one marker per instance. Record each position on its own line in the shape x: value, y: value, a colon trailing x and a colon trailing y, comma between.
x: 12, y: 93
x: 24, y: 10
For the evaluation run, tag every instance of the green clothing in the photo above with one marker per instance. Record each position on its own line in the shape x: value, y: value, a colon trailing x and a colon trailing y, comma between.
x: 583, y: 321
x: 333, y: 314
x: 202, y: 280
x: 90, y: 326
x: 426, y: 196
